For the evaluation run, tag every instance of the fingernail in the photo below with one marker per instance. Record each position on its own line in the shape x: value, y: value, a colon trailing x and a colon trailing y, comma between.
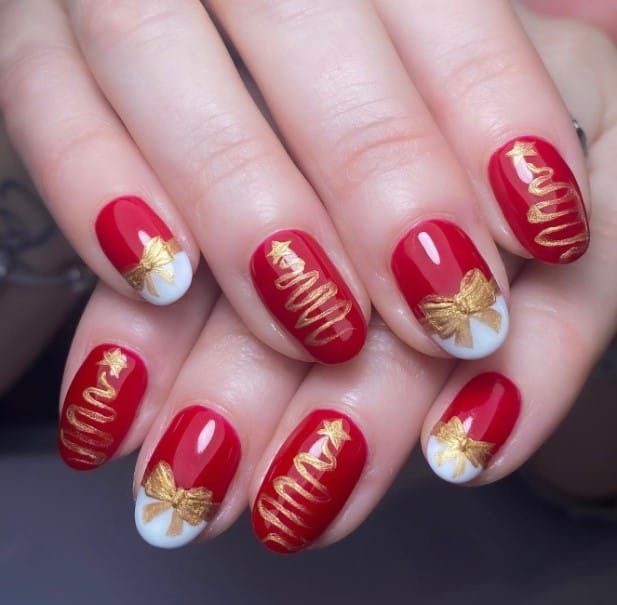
x: 186, y: 478
x: 143, y: 249
x: 450, y: 289
x: 304, y: 291
x: 309, y: 481
x: 474, y: 427
x: 100, y: 406
x: 540, y: 199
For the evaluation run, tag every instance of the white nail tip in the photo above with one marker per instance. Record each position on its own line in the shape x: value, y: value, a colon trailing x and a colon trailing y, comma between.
x: 485, y: 339
x: 154, y: 532
x: 447, y: 470
x: 168, y: 292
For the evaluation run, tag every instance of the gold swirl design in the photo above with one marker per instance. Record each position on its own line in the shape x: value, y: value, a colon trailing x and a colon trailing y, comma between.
x: 81, y: 417
x: 459, y: 447
x: 287, y: 508
x: 156, y: 255
x: 450, y: 316
x: 308, y: 299
x: 543, y: 185
x: 191, y: 505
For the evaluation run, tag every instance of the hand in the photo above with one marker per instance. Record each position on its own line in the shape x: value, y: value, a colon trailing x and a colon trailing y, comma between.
x: 389, y: 119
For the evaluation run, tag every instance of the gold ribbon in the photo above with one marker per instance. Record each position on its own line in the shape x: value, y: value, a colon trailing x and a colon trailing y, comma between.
x: 448, y: 316
x: 157, y: 253
x: 190, y: 505
x: 459, y: 447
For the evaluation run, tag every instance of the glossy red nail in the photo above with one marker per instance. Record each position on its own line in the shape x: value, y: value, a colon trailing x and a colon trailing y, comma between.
x: 473, y: 428
x: 143, y: 249
x: 100, y: 406
x: 187, y: 477
x: 304, y: 291
x: 450, y: 289
x: 540, y: 199
x: 309, y: 481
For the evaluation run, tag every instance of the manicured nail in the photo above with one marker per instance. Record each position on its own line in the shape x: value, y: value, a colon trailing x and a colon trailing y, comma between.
x: 540, y: 199
x: 473, y: 428
x: 143, y: 249
x: 309, y: 481
x: 450, y: 289
x: 186, y: 478
x: 100, y: 406
x: 304, y: 291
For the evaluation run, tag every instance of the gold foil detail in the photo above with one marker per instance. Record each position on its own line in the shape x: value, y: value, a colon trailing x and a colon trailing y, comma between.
x: 191, y: 505
x: 156, y: 254
x: 286, y: 508
x: 306, y: 298
x: 459, y: 447
x: 449, y: 316
x: 541, y: 186
x: 81, y: 417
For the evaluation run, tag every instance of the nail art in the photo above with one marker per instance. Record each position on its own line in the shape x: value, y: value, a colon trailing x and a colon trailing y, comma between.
x: 186, y: 478
x: 474, y: 427
x: 540, y: 199
x: 450, y: 289
x: 309, y: 481
x: 304, y: 291
x: 100, y: 406
x: 143, y: 249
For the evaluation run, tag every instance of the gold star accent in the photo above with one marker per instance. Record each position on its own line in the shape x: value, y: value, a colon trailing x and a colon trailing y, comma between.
x: 115, y: 360
x: 459, y: 447
x: 520, y: 150
x: 279, y: 250
x: 333, y: 429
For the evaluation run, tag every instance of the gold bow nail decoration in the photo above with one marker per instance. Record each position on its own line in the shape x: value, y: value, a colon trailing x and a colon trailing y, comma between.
x: 459, y: 447
x: 157, y: 253
x: 449, y: 316
x: 190, y: 505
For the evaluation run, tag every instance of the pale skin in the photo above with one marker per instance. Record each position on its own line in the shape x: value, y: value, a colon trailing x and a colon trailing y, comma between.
x: 574, y: 305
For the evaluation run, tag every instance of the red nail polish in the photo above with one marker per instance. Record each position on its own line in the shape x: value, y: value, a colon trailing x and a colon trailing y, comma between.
x: 540, y: 199
x: 100, y: 406
x: 309, y: 481
x: 187, y: 477
x: 143, y: 249
x: 304, y: 291
x: 450, y: 289
x: 473, y: 428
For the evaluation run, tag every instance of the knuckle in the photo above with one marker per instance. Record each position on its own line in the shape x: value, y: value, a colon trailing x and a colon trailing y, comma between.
x: 288, y: 13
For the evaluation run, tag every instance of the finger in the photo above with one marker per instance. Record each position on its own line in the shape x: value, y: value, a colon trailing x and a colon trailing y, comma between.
x: 195, y: 464
x: 87, y: 169
x: 503, y: 116
x: 123, y: 361
x: 340, y: 443
x: 363, y: 135
x: 251, y: 210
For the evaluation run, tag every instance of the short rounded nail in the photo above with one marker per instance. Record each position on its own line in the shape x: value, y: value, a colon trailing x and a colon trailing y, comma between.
x: 450, y: 289
x: 309, y: 481
x: 540, y: 199
x: 100, y: 406
x: 186, y: 478
x: 474, y: 427
x: 141, y: 247
x: 304, y: 291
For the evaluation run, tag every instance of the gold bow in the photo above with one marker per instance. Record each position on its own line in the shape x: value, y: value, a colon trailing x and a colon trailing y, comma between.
x: 460, y: 447
x: 450, y: 315
x: 190, y: 505
x: 157, y: 253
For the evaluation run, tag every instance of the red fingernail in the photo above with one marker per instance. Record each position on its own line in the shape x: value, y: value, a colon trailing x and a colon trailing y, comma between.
x: 186, y: 478
x: 450, y: 289
x: 100, y: 406
x: 304, y: 291
x: 473, y: 428
x: 540, y: 199
x: 309, y: 481
x: 143, y: 249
